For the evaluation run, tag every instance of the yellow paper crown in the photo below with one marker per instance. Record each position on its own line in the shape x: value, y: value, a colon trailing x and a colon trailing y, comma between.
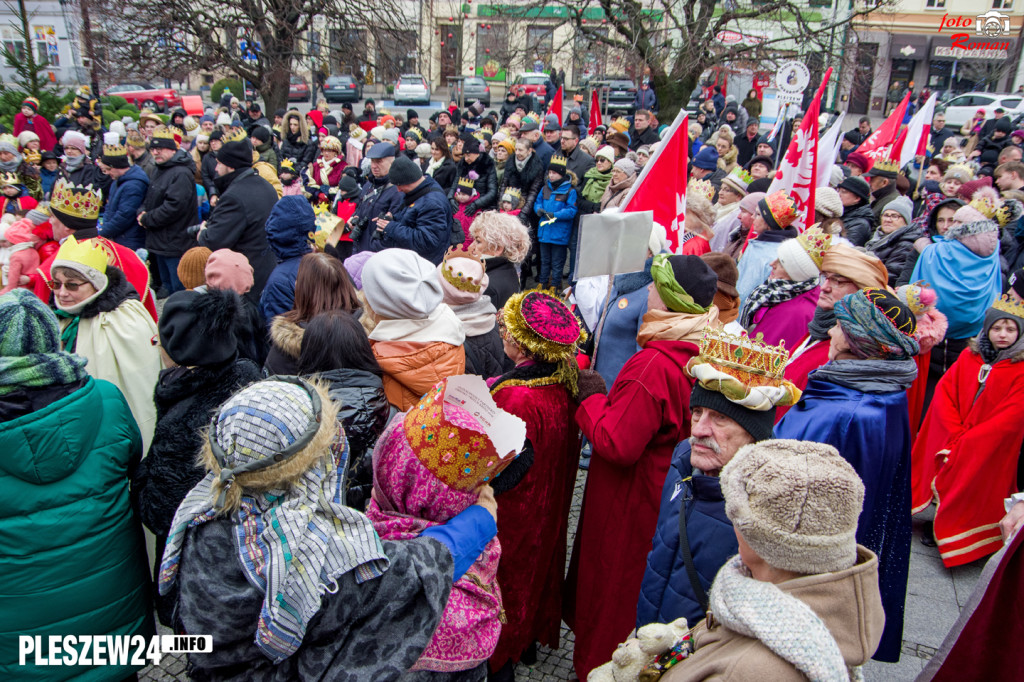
x: 558, y: 160
x: 887, y: 165
x: 456, y: 277
x: 702, y: 187
x: 815, y: 243
x: 985, y: 205
x: 1010, y: 306
x: 236, y: 135
x: 753, y: 362
x: 115, y: 150
x: 466, y: 182
x: 88, y: 253
x: 512, y: 192
x: 287, y: 165
x: 167, y: 133
x: 9, y: 178
x: 75, y: 200
x: 960, y: 171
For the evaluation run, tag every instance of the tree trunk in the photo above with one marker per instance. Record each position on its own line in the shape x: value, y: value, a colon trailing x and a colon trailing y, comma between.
x: 673, y: 93
x: 274, y: 88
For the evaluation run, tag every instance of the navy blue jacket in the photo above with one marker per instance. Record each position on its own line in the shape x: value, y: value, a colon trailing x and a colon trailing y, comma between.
x: 665, y: 593
x: 423, y: 224
x: 543, y: 151
x: 120, y: 217
x: 646, y: 99
x: 288, y: 225
x: 375, y: 200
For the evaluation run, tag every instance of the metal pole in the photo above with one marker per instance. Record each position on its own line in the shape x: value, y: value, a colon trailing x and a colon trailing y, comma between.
x: 312, y: 65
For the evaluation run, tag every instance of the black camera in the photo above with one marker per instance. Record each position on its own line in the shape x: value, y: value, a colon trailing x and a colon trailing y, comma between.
x: 356, y: 226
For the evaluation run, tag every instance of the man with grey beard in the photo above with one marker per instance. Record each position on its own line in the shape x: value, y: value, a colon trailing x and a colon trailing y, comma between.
x: 732, y: 405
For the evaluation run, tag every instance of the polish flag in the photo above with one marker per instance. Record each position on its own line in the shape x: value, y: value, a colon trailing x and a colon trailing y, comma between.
x: 595, y: 112
x: 555, y: 107
x: 919, y: 133
x: 661, y: 187
x: 798, y: 170
x: 878, y: 143
x: 830, y: 144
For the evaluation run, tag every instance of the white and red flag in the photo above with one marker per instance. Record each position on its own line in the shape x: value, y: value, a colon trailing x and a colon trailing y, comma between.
x: 798, y: 170
x: 831, y: 141
x: 919, y: 132
x: 661, y: 187
x: 878, y: 144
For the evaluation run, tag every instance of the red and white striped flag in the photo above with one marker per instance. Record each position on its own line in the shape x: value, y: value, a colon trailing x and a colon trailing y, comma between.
x: 878, y: 144
x: 919, y: 131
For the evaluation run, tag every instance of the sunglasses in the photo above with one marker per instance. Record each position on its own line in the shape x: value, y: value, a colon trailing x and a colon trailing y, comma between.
x: 70, y: 286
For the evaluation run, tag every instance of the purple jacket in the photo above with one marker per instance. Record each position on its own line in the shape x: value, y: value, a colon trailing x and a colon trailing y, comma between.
x: 786, y: 321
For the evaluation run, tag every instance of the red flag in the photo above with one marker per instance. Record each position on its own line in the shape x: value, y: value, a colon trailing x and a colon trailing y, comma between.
x: 595, y: 112
x: 665, y: 193
x: 876, y: 146
x: 893, y: 152
x: 555, y: 106
x: 798, y: 170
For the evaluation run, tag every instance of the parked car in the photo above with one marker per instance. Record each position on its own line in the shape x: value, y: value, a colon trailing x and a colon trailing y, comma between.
x: 961, y: 108
x: 533, y: 84
x: 412, y: 88
x: 298, y: 90
x: 619, y: 92
x: 470, y: 88
x: 146, y: 96
x: 343, y: 88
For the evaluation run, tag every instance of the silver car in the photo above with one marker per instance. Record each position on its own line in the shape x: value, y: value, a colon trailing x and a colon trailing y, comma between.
x: 412, y: 88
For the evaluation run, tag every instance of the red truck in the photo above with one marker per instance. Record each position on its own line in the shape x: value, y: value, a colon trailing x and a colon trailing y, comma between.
x: 145, y: 96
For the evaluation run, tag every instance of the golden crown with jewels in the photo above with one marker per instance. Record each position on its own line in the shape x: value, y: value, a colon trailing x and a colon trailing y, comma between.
x: 750, y: 360
x: 1009, y: 305
x: 815, y: 243
x: 75, y: 200
x: 167, y: 133
x: 456, y: 277
x: 702, y: 187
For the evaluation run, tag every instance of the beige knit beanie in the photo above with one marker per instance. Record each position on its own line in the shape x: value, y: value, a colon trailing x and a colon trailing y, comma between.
x: 796, y: 503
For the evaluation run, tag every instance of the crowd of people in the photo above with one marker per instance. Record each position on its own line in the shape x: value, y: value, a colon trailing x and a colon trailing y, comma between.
x: 252, y: 338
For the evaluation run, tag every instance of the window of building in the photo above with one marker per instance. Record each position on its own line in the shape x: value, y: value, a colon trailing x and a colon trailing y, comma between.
x: 540, y: 45
x: 1002, y: 4
x: 45, y: 38
x: 937, y: 4
x: 492, y: 53
x: 13, y: 42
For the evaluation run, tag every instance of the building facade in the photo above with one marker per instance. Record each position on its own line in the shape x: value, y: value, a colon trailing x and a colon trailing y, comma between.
x: 52, y: 39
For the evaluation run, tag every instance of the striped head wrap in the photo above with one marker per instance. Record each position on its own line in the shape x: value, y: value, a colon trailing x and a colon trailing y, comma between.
x: 877, y: 325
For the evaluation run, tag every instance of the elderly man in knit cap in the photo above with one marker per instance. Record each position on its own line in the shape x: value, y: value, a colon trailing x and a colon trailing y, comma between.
x: 772, y: 225
x: 858, y: 404
x: 245, y: 202
x: 801, y: 599
x: 705, y: 166
x: 732, y: 405
x: 127, y: 192
x: 423, y: 222
x: 633, y: 430
x: 844, y: 270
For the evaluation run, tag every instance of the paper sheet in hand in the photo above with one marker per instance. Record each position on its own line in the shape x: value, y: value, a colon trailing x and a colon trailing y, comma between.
x: 613, y: 243
x: 506, y: 431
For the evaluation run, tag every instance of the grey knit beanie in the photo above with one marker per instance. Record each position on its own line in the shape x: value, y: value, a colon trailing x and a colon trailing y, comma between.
x: 796, y: 504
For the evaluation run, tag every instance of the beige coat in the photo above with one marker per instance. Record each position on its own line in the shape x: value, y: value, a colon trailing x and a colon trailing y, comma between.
x: 614, y: 195
x: 847, y: 601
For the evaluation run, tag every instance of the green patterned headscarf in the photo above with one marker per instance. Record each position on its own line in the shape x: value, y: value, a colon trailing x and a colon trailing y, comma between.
x: 672, y: 293
x: 30, y: 354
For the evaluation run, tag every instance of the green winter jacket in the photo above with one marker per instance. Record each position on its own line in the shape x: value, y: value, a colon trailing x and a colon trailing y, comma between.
x: 72, y: 555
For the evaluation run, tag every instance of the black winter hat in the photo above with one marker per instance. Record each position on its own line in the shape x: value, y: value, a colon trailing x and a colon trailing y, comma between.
x: 470, y: 145
x: 858, y: 186
x: 759, y: 185
x: 759, y: 424
x: 198, y: 329
x: 260, y: 134
x: 347, y: 106
x: 404, y: 171
x: 216, y: 135
x: 280, y: 112
x: 348, y: 188
x: 411, y: 114
x: 1017, y: 281
x: 236, y: 153
x: 696, y: 278
x: 1004, y: 125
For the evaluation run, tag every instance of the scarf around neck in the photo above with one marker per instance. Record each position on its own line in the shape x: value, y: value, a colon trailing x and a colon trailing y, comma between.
x: 433, y: 166
x: 665, y: 325
x: 869, y: 376
x: 478, y: 317
x: 821, y: 323
x: 293, y: 544
x: 780, y: 621
x: 771, y: 293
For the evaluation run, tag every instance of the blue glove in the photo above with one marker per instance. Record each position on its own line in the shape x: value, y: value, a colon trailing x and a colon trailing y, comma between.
x: 465, y: 535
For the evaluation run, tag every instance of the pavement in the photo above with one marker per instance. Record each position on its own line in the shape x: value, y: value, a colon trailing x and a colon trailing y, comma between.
x: 935, y: 596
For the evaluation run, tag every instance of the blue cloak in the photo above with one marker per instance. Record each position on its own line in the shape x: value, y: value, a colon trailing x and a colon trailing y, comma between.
x: 965, y: 283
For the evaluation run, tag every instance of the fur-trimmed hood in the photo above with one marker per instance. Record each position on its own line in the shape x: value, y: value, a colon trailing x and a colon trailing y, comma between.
x: 976, y: 348
x: 287, y: 336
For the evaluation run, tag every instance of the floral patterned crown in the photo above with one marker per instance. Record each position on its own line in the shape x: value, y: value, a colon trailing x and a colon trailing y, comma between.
x: 781, y: 207
x: 746, y: 371
x: 1010, y: 306
x: 325, y: 224
x: 702, y: 187
x: 456, y: 277
x: 75, y: 200
x: 543, y: 325
x: 815, y: 243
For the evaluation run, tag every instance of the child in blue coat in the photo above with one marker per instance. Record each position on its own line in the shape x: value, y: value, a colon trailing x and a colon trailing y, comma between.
x: 555, y: 208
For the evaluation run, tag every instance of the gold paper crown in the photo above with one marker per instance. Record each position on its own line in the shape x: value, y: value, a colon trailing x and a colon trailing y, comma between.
x: 457, y: 278
x: 513, y: 192
x: 750, y: 360
x: 115, y: 150
x: 702, y: 187
x: 75, y: 200
x: 887, y: 165
x: 236, y: 135
x: 287, y: 165
x: 32, y: 156
x: 558, y: 160
x: 9, y: 178
x: 466, y: 182
x: 985, y: 205
x: 459, y: 456
x: 815, y: 243
x: 1010, y: 306
x: 961, y: 171
x: 167, y: 133
x: 87, y: 252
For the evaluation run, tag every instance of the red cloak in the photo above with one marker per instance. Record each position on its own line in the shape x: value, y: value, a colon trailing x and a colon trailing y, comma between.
x: 633, y: 431
x: 811, y: 358
x: 916, y: 393
x: 40, y: 126
x: 534, y: 519
x: 121, y: 257
x: 967, y: 449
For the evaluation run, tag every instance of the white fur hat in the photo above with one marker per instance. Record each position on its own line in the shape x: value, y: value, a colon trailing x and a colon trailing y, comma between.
x: 797, y: 262
x: 796, y: 504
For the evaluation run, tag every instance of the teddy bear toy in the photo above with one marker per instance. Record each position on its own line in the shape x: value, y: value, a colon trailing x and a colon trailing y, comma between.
x: 636, y: 653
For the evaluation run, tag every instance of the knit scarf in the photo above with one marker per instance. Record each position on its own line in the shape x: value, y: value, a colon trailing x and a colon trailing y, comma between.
x: 433, y: 166
x: 771, y: 293
x: 665, y: 325
x: 293, y: 544
x: 72, y: 163
x: 821, y: 323
x: 780, y: 621
x: 869, y: 376
x: 595, y: 183
x: 38, y: 370
x: 12, y: 165
x: 520, y: 165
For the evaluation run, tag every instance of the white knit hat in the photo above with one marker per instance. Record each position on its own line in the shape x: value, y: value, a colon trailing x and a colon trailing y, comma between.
x: 828, y: 203
x: 796, y: 503
x: 797, y: 262
x: 606, y: 152
x: 401, y: 285
x: 223, y: 119
x: 658, y: 241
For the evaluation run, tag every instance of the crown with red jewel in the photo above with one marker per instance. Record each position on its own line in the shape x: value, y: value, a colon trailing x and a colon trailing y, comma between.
x: 702, y: 187
x: 1010, y: 306
x: 167, y: 133
x: 815, y: 243
x: 454, y: 275
x: 746, y: 371
x: 75, y: 200
x: 780, y: 207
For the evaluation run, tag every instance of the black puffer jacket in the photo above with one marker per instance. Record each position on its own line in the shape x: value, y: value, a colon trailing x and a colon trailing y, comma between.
x: 364, y: 414
x: 303, y: 153
x: 444, y: 175
x: 484, y: 354
x: 528, y: 181
x: 486, y: 185
x: 171, y: 206
x: 237, y: 222
x: 859, y: 223
x: 895, y: 249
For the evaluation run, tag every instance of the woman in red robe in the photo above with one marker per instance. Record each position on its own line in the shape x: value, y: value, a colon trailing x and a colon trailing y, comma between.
x: 931, y: 329
x: 540, y: 335
x: 967, y: 449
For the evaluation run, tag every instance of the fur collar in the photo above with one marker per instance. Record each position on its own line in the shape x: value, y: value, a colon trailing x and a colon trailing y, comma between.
x: 975, y: 348
x: 118, y: 290
x: 287, y: 336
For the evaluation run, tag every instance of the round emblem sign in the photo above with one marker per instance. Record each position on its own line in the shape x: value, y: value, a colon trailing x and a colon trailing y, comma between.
x: 792, y: 77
